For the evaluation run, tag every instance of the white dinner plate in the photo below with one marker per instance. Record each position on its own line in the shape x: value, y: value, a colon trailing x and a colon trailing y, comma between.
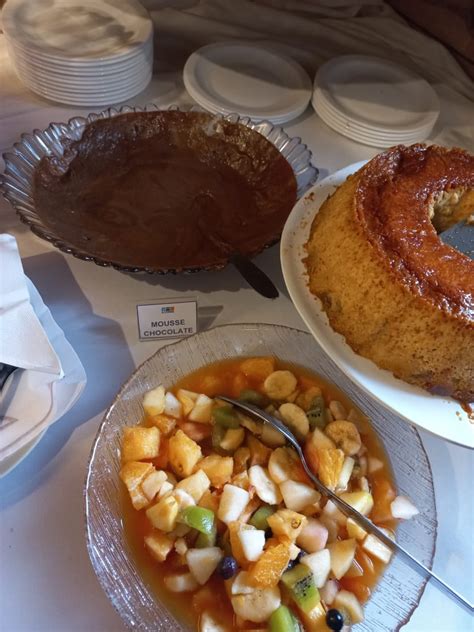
x: 320, y: 104
x: 98, y: 99
x: 320, y: 99
x: 77, y: 30
x: 367, y: 139
x: 30, y: 401
x: 83, y: 88
x: 251, y: 80
x: 378, y: 93
x: 94, y: 71
x: 439, y: 415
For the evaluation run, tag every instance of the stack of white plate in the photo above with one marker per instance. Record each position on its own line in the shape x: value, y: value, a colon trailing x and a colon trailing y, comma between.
x: 374, y: 101
x: 80, y: 52
x: 250, y: 80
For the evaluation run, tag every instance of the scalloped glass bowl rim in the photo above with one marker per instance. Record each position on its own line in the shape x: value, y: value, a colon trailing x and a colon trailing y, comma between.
x: 21, y: 160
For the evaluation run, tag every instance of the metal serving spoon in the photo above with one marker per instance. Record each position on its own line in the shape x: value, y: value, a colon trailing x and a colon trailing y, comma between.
x: 361, y: 520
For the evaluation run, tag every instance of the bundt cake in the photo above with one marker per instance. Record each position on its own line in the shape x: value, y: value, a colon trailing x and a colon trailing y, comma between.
x: 388, y: 284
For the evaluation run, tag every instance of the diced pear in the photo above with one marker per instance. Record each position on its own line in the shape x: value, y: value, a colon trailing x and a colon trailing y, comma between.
x: 173, y: 406
x: 329, y: 591
x: 183, y: 582
x: 187, y: 399
x: 265, y: 488
x: 207, y: 623
x: 184, y: 453
x: 258, y: 605
x: 376, y: 548
x: 272, y: 437
x: 195, y: 485
x: 346, y: 473
x: 140, y: 443
x: 165, y: 489
x: 241, y: 584
x: 183, y: 498
x: 133, y: 474
x: 313, y: 536
x: 203, y: 562
x: 297, y: 496
x: 402, y: 508
x: 232, y: 503
x: 349, y: 603
x: 342, y: 553
x: 152, y: 483
x: 294, y: 551
x: 202, y: 410
x: 180, y: 546
x: 332, y: 512
x: 295, y: 418
x: 287, y: 523
x: 233, y: 438
x: 154, y: 401
x: 374, y: 464
x: 354, y: 530
x: 163, y: 515
x: 320, y: 565
x: 361, y: 501
x: 252, y: 542
x: 159, y: 545
x: 217, y: 468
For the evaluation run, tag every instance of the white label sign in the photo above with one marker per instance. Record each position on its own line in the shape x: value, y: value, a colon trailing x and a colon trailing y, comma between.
x: 157, y: 321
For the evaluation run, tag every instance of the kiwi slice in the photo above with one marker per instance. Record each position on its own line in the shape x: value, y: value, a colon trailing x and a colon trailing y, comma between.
x: 259, y: 519
x: 316, y: 414
x: 283, y: 620
x: 300, y: 582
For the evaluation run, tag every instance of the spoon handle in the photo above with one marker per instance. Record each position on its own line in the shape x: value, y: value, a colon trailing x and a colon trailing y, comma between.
x: 347, y: 510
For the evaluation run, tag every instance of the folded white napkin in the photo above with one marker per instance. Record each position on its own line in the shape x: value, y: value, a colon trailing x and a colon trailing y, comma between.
x: 23, y: 341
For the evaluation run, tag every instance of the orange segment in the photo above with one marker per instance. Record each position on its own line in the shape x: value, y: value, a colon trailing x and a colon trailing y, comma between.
x: 268, y: 569
x: 330, y: 466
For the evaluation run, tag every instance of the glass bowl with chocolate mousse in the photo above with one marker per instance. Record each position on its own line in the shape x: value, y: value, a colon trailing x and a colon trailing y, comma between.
x: 158, y: 191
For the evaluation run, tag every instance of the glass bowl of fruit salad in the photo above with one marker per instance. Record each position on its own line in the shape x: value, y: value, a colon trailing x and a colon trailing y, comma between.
x: 199, y: 517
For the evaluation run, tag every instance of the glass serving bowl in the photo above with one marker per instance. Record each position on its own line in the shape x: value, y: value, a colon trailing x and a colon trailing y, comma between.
x: 399, y: 590
x: 16, y: 183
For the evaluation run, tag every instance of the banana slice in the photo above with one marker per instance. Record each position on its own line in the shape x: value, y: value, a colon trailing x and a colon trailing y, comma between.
x: 295, y: 418
x: 280, y: 384
x: 264, y: 486
x: 345, y: 435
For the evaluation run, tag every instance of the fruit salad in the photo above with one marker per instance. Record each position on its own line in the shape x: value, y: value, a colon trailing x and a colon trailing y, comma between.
x: 225, y: 521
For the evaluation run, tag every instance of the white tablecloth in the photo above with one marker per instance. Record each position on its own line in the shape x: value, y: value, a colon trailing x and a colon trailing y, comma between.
x: 46, y: 579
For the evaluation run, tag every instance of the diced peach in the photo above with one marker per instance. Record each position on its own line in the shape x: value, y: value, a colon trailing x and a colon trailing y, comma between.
x: 354, y: 585
x: 258, y: 368
x: 268, y: 569
x: 210, y: 500
x: 218, y: 468
x: 383, y: 493
x: 259, y: 453
x: 161, y: 461
x: 164, y: 423
x: 196, y: 431
x: 313, y: 536
x: 241, y: 459
x: 239, y: 383
x: 211, y: 385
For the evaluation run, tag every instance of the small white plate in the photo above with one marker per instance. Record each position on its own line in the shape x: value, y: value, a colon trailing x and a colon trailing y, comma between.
x: 77, y: 30
x: 377, y: 93
x: 247, y: 79
x: 441, y: 416
x: 27, y: 412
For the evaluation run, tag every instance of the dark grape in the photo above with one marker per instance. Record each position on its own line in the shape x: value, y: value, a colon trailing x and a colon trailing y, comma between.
x: 227, y: 567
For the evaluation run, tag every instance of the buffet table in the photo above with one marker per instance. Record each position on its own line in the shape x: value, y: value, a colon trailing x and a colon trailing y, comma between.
x: 46, y: 577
